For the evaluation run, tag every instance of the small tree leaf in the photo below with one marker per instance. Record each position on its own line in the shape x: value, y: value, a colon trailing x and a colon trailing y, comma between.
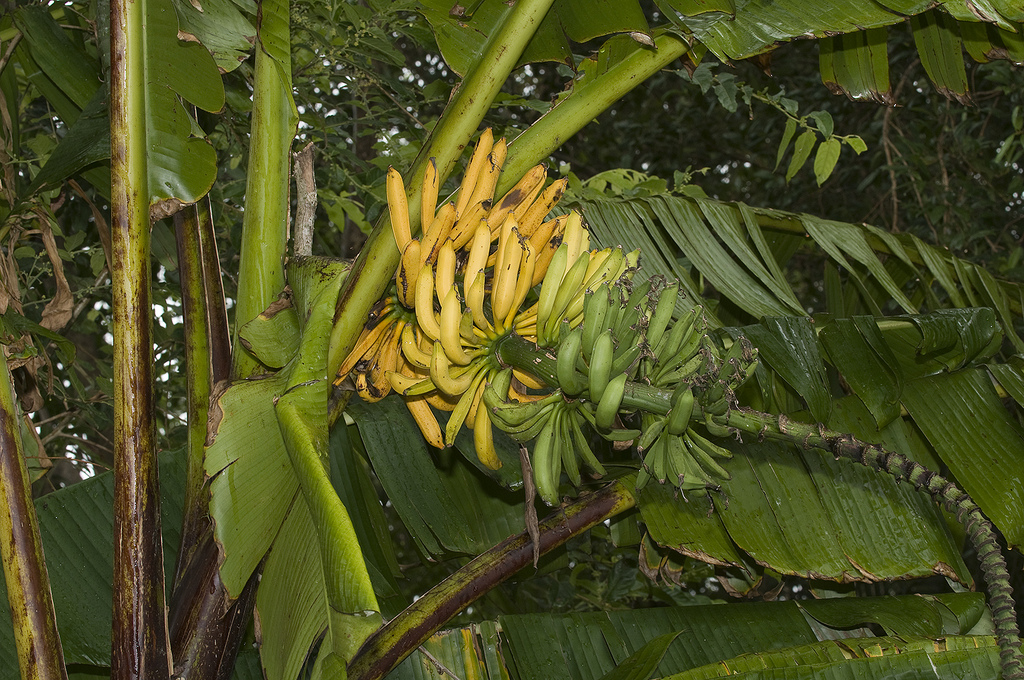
x: 856, y: 143
x: 787, y: 137
x: 801, y: 152
x: 825, y: 159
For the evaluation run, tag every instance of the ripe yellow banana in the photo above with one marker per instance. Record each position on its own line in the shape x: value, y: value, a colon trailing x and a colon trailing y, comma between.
x: 426, y: 420
x: 452, y: 382
x: 408, y: 386
x: 428, y: 196
x: 473, y: 170
x: 408, y: 274
x: 575, y: 236
x: 411, y: 349
x: 444, y: 271
x: 533, y: 217
x: 437, y: 234
x: 451, y: 322
x: 424, y: 304
x: 506, y: 272
x: 484, y: 189
x: 398, y: 206
x: 365, y: 346
x: 483, y: 440
x: 475, y: 301
x: 519, y: 197
x: 546, y: 241
x: 524, y: 281
x: 466, y: 225
x: 476, y: 261
x: 386, y: 360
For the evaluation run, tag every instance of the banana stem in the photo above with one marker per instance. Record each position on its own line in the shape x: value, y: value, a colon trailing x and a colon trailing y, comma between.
x: 388, y: 646
x: 524, y: 355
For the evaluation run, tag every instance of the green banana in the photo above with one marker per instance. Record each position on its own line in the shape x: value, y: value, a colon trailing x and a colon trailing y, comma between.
x: 601, y: 365
x: 570, y: 349
x: 549, y: 289
x: 569, y: 287
x: 513, y: 415
x: 547, y: 462
x: 613, y: 435
x: 704, y: 457
x: 682, y: 408
x: 652, y: 428
x: 501, y: 383
x: 690, y: 476
x: 627, y: 360
x: 661, y: 315
x: 581, y: 444
x: 611, y: 399
x: 595, y: 309
x: 567, y: 448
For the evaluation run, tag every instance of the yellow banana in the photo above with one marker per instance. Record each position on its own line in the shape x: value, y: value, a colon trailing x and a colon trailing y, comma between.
x: 528, y: 380
x: 524, y: 282
x: 466, y: 225
x: 451, y: 322
x: 533, y: 217
x: 503, y: 287
x: 428, y: 196
x: 475, y: 301
x: 424, y: 304
x: 452, y: 383
x: 520, y: 196
x: 408, y: 273
x: 461, y: 411
x: 437, y: 233
x: 386, y: 360
x: 574, y: 235
x: 411, y: 349
x: 484, y: 189
x: 546, y: 241
x: 473, y: 170
x: 444, y: 271
x: 398, y: 206
x: 477, y: 259
x: 409, y: 386
x: 483, y: 440
x: 426, y: 421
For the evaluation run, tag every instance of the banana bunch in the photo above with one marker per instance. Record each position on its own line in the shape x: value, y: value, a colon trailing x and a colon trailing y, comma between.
x: 458, y: 289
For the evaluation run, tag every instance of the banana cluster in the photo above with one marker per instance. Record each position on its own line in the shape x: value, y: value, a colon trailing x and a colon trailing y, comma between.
x: 459, y: 288
x: 621, y: 340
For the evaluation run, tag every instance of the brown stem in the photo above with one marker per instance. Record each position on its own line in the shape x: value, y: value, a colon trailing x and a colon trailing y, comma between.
x: 28, y: 587
x: 390, y: 645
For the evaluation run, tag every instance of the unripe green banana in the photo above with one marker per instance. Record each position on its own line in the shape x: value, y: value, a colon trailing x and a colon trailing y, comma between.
x: 512, y: 415
x: 595, y: 310
x: 548, y: 290
x: 701, y: 450
x: 547, y: 461
x: 569, y: 287
x: 690, y: 476
x: 661, y: 315
x: 627, y: 359
x: 612, y: 435
x: 567, y: 449
x: 682, y: 408
x: 652, y: 428
x: 501, y: 383
x: 611, y: 400
x: 601, y: 365
x: 581, y: 444
x: 570, y: 349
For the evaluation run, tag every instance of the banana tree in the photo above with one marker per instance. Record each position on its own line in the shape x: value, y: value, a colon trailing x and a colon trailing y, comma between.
x: 717, y: 405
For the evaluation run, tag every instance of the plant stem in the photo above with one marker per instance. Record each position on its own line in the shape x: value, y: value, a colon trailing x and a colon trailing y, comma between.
x: 388, y: 646
x: 140, y: 645
x: 265, y: 224
x: 28, y: 587
x: 585, y: 103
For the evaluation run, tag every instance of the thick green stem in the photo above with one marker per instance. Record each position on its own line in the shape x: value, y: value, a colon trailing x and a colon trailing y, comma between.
x: 140, y: 644
x: 40, y: 656
x: 373, y: 269
x: 387, y: 647
x: 265, y: 224
x: 585, y: 104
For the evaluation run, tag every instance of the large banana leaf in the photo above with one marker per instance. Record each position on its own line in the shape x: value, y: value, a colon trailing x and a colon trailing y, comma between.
x: 711, y: 640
